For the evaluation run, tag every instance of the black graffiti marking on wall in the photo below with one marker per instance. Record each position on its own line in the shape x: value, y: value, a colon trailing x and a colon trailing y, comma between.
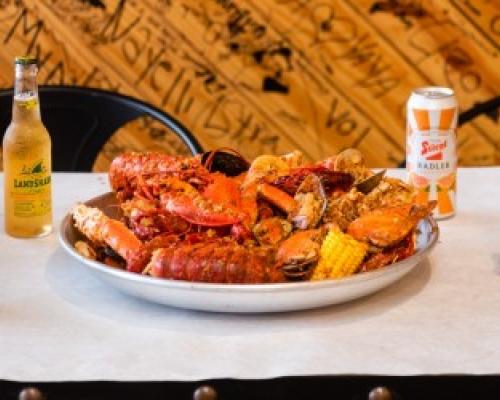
x: 291, y: 119
x: 212, y: 83
x: 399, y: 8
x: 477, y: 25
x: 344, y: 123
x: 240, y: 19
x: 256, y: 134
x: 303, y: 65
x: 272, y: 57
x: 241, y: 127
x: 272, y: 84
x: 365, y: 52
x: 342, y: 37
x: 94, y: 3
x: 456, y: 60
x: 329, y: 27
x: 174, y: 73
x: 26, y: 29
x: 110, y: 31
x: 31, y: 28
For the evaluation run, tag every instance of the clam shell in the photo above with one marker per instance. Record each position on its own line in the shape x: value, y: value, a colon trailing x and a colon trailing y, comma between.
x: 370, y: 183
x: 312, y: 202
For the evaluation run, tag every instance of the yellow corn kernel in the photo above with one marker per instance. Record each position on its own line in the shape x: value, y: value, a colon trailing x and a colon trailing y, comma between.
x: 340, y: 256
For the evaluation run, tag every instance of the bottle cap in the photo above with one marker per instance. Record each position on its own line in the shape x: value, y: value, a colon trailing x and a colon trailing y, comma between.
x: 25, y: 60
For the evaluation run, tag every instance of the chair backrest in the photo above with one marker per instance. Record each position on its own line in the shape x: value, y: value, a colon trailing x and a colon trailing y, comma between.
x: 81, y: 120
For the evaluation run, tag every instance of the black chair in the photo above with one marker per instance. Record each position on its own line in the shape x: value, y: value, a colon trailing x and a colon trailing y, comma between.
x: 81, y: 120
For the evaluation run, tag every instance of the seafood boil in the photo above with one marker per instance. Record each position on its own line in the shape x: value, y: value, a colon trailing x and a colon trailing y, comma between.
x: 219, y: 218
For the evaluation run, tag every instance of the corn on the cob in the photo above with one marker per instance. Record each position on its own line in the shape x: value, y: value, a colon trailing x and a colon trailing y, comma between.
x: 340, y: 256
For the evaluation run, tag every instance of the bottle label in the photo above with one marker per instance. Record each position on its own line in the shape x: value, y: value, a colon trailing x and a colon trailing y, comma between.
x: 31, y: 190
x: 433, y: 155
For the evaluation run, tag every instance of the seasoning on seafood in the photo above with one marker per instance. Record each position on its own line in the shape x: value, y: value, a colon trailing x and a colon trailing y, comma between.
x: 142, y: 173
x: 343, y: 208
x: 214, y: 262
x: 294, y: 159
x: 217, y: 218
x: 184, y: 200
x: 311, y: 202
x: 298, y: 254
x: 103, y: 231
x: 388, y: 226
x: 147, y: 219
x: 352, y: 162
x: 266, y: 166
x: 388, y: 193
x: 277, y: 197
x: 390, y: 255
x: 333, y: 181
x: 271, y: 231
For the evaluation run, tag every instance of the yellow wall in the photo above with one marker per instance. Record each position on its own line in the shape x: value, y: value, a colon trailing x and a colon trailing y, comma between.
x: 270, y: 75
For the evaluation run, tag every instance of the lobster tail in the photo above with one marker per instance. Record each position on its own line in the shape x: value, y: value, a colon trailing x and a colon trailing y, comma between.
x: 214, y: 262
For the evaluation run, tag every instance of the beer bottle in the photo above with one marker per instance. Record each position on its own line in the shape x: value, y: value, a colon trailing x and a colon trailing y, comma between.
x: 27, y: 159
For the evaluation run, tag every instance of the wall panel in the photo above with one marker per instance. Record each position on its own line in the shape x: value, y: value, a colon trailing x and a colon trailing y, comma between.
x: 269, y: 75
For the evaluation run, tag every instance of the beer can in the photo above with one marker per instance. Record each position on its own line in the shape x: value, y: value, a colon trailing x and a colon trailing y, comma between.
x: 431, y: 155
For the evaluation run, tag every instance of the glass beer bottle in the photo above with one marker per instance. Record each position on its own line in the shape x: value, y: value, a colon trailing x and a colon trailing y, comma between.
x: 27, y: 159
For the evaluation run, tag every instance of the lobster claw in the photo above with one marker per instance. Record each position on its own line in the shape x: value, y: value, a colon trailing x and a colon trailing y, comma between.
x: 185, y: 201
x: 199, y: 211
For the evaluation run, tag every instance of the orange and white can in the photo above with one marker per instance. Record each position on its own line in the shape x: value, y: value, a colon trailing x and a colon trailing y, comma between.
x: 431, y: 151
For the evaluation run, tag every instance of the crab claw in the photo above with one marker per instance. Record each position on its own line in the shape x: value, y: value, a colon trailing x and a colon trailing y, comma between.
x: 198, y: 210
x: 311, y: 203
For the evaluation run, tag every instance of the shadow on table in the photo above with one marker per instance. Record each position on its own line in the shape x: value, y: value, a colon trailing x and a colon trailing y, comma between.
x: 73, y: 283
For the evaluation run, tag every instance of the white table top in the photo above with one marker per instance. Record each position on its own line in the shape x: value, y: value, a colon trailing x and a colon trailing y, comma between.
x: 57, y: 322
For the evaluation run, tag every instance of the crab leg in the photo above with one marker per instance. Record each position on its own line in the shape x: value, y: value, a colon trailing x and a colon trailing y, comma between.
x: 277, y: 197
x: 102, y: 230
